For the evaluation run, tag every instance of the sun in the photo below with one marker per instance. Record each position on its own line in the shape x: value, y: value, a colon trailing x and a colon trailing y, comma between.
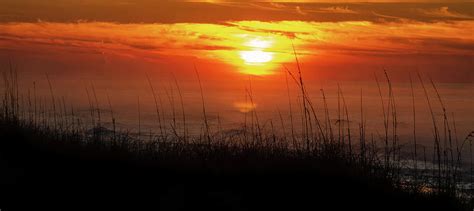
x: 256, y: 57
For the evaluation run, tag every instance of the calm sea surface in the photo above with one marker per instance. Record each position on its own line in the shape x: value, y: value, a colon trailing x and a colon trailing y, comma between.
x: 229, y: 104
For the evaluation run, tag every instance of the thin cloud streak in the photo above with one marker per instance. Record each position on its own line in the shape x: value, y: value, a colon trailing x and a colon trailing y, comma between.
x: 364, y: 35
x: 145, y: 11
x: 207, y: 39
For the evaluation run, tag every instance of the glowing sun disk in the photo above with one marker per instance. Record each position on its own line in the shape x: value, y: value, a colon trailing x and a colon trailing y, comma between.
x: 256, y: 56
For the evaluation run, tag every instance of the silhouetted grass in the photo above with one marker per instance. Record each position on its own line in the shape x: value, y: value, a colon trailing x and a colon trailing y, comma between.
x: 69, y: 161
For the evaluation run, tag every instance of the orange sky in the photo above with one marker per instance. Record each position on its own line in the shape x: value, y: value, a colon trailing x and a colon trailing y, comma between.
x: 334, y: 40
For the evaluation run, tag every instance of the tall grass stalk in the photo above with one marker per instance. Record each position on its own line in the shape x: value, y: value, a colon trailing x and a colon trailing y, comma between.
x: 305, y: 97
x: 290, y: 110
x: 305, y: 109
x: 35, y: 120
x: 415, y: 158
x: 91, y: 106
x: 385, y: 123
x: 139, y: 117
x: 328, y: 117
x: 258, y: 134
x: 348, y: 126
x: 97, y: 106
x: 436, y: 134
x: 112, y: 116
x: 182, y: 108
x: 206, y: 123
x: 170, y: 95
x: 447, y: 135
x: 157, y: 108
x: 362, y: 131
x: 53, y: 103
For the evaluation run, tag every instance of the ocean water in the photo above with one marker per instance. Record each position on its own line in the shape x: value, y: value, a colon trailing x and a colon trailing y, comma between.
x: 229, y: 103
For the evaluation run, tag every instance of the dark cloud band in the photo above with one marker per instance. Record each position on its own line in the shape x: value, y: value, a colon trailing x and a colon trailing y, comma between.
x: 145, y: 11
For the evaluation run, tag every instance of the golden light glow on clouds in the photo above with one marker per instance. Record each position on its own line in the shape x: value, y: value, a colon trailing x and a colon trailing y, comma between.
x: 255, y: 53
x: 257, y: 60
x: 251, y: 47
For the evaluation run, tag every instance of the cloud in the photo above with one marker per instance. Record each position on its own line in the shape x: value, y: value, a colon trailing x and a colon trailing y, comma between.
x: 337, y: 9
x: 384, y: 18
x: 277, y: 5
x: 146, y: 11
x: 444, y: 12
x: 300, y: 11
x: 223, y: 42
x: 341, y: 44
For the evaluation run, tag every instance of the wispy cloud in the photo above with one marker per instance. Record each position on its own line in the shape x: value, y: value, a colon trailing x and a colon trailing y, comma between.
x: 300, y: 11
x: 211, y: 40
x: 338, y: 9
x: 145, y: 11
x: 444, y: 12
x: 318, y: 43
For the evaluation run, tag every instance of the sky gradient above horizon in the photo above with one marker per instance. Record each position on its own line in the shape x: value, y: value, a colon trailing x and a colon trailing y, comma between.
x: 332, y: 39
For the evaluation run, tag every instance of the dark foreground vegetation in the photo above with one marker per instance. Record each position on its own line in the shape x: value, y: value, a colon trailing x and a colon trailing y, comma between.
x: 43, y: 170
x: 50, y: 160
